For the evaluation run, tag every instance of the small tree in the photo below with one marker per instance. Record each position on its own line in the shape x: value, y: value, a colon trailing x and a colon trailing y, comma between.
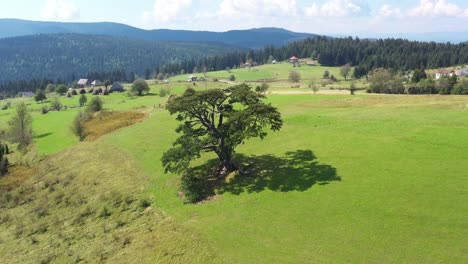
x: 139, y: 86
x: 315, y: 88
x: 107, y: 83
x: 50, y: 88
x: 78, y: 125
x: 326, y: 74
x: 40, y: 96
x: 20, y: 126
x: 344, y: 70
x: 61, y: 89
x: 294, y: 76
x: 352, y: 88
x: 83, y: 100
x: 95, y: 105
x: 4, y: 163
x: 232, y: 78
x: 262, y: 89
x: 418, y: 75
x: 56, y: 104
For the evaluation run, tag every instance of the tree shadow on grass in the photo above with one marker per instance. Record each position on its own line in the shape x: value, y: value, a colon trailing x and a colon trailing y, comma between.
x: 295, y: 171
x: 43, y: 135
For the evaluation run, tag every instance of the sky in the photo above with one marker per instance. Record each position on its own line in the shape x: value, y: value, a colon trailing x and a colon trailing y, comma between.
x: 331, y: 17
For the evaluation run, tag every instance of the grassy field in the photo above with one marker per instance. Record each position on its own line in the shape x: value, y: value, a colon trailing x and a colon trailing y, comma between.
x: 349, y: 179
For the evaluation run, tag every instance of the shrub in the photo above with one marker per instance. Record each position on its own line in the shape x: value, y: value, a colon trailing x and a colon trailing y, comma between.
x: 232, y: 78
x: 44, y: 110
x: 294, y: 76
x: 56, y: 104
x: 164, y: 91
x: 95, y: 105
x: 78, y: 126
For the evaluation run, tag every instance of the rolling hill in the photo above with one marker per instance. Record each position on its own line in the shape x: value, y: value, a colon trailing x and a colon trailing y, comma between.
x: 69, y: 56
x: 251, y: 38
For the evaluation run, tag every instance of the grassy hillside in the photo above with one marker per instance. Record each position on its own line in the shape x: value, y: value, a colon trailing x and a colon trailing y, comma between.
x: 349, y: 179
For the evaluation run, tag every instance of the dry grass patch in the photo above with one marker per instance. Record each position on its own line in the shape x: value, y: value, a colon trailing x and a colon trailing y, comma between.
x: 103, y: 123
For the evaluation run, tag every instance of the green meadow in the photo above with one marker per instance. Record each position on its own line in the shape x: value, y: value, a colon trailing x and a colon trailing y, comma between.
x: 348, y: 179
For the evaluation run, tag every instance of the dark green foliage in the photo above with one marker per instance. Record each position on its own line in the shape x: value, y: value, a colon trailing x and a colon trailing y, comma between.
x: 44, y: 110
x: 4, y: 163
x: 95, y: 105
x: 61, y: 89
x: 139, y: 87
x: 383, y: 81
x: 83, y: 100
x: 418, y: 75
x: 20, y: 126
x: 262, y: 89
x: 72, y: 56
x: 352, y: 88
x: 195, y: 185
x: 40, y: 95
x: 326, y: 74
x: 461, y: 87
x: 217, y: 121
x: 232, y: 78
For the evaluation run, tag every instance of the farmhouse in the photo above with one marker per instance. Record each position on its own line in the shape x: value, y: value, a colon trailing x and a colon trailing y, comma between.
x: 293, y: 59
x: 96, y: 83
x: 27, y: 94
x: 462, y: 72
x: 442, y: 73
x: 82, y: 83
x: 192, y: 78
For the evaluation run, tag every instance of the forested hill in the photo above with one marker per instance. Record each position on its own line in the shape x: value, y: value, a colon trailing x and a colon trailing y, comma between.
x: 396, y: 54
x: 251, y: 38
x: 70, y: 56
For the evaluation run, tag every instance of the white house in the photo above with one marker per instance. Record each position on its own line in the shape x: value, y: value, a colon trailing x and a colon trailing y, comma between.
x: 442, y: 73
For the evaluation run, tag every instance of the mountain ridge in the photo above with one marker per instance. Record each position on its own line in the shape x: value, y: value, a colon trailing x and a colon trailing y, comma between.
x: 249, y: 38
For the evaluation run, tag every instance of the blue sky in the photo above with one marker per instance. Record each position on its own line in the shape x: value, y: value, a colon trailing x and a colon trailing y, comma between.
x: 320, y: 16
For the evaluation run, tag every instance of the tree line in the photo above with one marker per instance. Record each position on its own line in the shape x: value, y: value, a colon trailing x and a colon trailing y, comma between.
x: 364, y: 54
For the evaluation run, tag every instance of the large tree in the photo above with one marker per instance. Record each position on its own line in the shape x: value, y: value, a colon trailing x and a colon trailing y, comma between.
x: 217, y: 120
x: 40, y: 96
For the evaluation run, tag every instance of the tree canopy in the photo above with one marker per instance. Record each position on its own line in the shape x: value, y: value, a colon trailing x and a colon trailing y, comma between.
x: 218, y: 120
x: 139, y: 86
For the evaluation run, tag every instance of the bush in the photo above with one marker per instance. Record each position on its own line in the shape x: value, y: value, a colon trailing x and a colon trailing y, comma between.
x: 44, y: 110
x: 232, y: 78
x: 164, y: 91
x: 294, y: 76
x: 56, y: 104
x: 78, y: 126
x: 95, y: 105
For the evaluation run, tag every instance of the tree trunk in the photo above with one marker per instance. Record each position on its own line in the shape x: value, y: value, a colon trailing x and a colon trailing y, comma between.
x: 227, y: 164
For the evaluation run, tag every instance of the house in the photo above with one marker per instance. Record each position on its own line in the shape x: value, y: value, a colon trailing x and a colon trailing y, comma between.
x: 442, y: 73
x: 116, y: 87
x: 293, y: 59
x: 96, y: 83
x: 461, y: 72
x: 27, y: 94
x: 192, y: 78
x: 82, y: 83
x: 273, y: 62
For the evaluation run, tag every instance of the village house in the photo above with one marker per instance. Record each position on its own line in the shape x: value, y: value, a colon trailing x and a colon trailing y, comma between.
x: 462, y: 72
x: 442, y: 73
x: 82, y: 83
x: 27, y: 94
x: 96, y: 83
x: 192, y: 78
x: 293, y: 59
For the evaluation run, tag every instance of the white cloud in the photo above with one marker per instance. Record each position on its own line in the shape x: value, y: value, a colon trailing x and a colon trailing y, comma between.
x: 60, y: 10
x: 233, y: 8
x: 433, y: 8
x: 167, y: 10
x: 338, y: 8
x: 386, y: 11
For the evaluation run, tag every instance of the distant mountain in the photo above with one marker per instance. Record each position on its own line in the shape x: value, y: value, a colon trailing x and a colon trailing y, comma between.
x: 70, y: 56
x: 251, y: 38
